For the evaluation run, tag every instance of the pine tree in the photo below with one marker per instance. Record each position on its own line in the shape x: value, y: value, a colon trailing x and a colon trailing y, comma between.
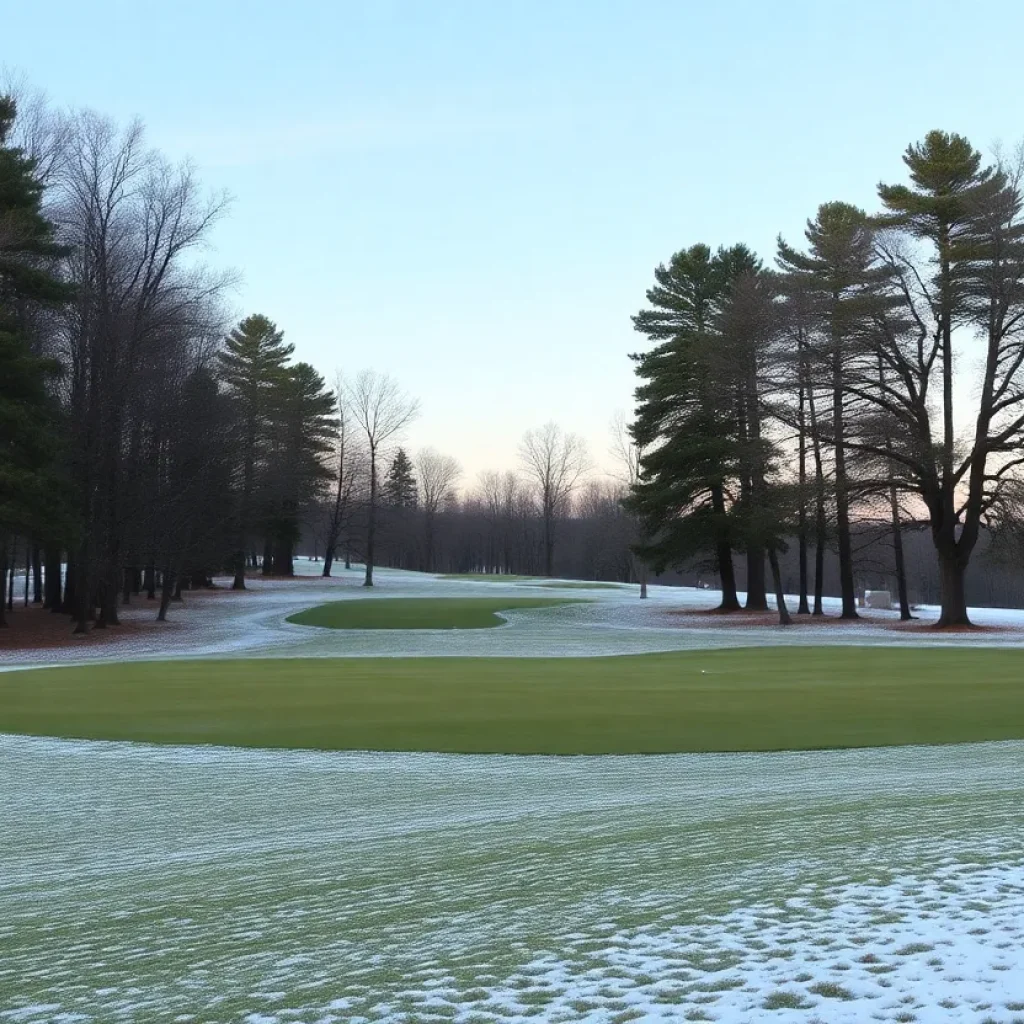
x: 684, y: 423
x: 28, y: 416
x: 252, y: 366
x: 305, y: 418
x: 841, y: 286
x: 400, y: 490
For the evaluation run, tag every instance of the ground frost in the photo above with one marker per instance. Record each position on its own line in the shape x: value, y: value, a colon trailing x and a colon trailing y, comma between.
x: 254, y: 625
x: 177, y: 884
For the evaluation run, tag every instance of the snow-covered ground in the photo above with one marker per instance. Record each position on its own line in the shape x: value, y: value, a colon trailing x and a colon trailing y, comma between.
x: 615, y: 621
x: 212, y: 885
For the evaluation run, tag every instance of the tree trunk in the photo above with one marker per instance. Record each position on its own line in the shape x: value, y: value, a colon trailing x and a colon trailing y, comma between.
x: 803, y: 608
x: 51, y: 580
x: 901, y: 567
x: 371, y: 520
x: 549, y: 543
x: 952, y: 588
x: 820, y: 521
x: 126, y: 591
x: 727, y: 574
x: 757, y: 594
x: 12, y: 565
x: 37, y: 575
x: 780, y: 597
x: 3, y: 578
x: 643, y: 579
x: 328, y: 560
x: 178, y: 582
x: 723, y: 553
x: 847, y: 589
x: 897, y: 549
x: 149, y: 581
x: 283, y: 558
x: 268, y: 556
x: 238, y: 583
x: 166, y: 594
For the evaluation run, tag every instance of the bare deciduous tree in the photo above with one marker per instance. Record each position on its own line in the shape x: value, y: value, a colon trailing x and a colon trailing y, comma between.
x: 133, y: 224
x: 556, y: 461
x: 348, y: 470
x: 627, y: 454
x: 380, y: 410
x: 437, y: 475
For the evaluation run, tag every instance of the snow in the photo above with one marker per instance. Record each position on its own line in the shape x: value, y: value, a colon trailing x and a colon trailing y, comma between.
x: 253, y: 624
x: 146, y: 883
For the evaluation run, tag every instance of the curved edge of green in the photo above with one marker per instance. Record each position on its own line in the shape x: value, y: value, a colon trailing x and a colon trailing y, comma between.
x: 394, y: 613
x: 745, y: 699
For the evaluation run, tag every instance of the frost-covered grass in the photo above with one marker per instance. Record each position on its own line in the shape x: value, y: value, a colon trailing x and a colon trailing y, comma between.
x: 746, y: 699
x: 419, y: 612
x: 254, y: 624
x: 581, y: 586
x: 487, y: 577
x: 215, y: 886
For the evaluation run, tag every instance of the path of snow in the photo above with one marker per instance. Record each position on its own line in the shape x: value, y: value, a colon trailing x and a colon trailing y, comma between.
x: 613, y: 622
x: 213, y: 885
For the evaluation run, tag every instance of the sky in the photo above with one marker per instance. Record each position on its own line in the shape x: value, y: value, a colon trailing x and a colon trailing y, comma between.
x: 473, y: 196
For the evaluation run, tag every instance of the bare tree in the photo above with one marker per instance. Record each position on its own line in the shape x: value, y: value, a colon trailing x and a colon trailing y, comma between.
x: 437, y: 475
x: 133, y: 224
x: 556, y: 461
x: 380, y: 410
x: 348, y: 470
x: 45, y: 134
x: 627, y: 454
x: 499, y: 494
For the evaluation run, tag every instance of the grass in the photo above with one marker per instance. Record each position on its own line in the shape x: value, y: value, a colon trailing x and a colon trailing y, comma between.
x: 487, y: 577
x: 782, y: 1000
x: 581, y: 586
x: 795, y: 698
x: 418, y: 612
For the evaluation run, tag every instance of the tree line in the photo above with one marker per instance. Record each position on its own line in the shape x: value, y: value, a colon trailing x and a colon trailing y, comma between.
x: 146, y: 444
x: 789, y: 418
x: 790, y: 405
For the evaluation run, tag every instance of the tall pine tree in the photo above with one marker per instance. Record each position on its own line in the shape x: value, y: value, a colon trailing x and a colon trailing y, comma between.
x: 252, y: 367
x: 27, y: 413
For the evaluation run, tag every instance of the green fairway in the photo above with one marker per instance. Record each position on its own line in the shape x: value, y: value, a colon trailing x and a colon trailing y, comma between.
x: 748, y: 699
x: 418, y: 612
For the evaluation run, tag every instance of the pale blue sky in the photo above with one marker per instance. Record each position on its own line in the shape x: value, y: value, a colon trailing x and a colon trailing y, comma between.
x: 473, y: 196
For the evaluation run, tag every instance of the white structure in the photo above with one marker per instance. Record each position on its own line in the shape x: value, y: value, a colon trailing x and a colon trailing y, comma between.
x: 877, y: 599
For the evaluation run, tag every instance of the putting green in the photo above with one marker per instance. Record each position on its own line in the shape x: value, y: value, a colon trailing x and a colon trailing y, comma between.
x: 749, y: 699
x: 418, y: 612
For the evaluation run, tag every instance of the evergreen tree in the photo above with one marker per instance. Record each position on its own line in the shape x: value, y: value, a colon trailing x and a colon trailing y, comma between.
x: 305, y: 423
x: 841, y: 287
x: 252, y: 366
x: 400, y: 490
x: 28, y: 416
x: 685, y: 423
